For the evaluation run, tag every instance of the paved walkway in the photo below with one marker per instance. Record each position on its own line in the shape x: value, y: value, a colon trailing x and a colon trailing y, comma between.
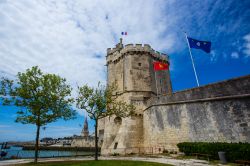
x: 165, y: 160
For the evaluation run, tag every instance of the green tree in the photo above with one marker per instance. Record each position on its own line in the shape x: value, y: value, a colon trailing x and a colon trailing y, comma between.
x: 101, y: 102
x: 46, y: 98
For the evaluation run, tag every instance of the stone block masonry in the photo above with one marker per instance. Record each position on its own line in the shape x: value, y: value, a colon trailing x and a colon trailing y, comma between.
x: 131, y: 68
x: 218, y: 112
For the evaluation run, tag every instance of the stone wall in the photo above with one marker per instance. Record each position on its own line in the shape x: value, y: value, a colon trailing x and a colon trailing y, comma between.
x: 83, y: 142
x: 131, y: 67
x: 217, y: 112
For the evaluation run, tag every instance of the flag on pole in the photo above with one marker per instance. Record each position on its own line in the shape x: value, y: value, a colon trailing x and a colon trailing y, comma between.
x: 203, y: 45
x: 161, y: 66
x: 124, y: 33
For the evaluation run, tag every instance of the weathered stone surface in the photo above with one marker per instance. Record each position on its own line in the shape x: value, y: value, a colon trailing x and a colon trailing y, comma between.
x: 215, y: 112
x: 131, y: 67
x: 201, y: 121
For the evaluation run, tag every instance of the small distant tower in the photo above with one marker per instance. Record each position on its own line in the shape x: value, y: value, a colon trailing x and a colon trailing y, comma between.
x: 85, y: 130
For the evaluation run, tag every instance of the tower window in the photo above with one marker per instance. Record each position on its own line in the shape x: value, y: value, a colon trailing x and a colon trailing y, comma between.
x: 116, y: 144
x: 118, y: 120
x: 139, y: 64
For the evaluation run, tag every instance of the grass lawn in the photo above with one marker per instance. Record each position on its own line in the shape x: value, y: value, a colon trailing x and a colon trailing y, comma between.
x: 97, y: 163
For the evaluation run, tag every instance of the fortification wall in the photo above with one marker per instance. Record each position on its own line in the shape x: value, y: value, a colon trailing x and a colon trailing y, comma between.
x: 217, y: 112
x: 121, y: 134
x: 84, y: 142
x: 131, y: 67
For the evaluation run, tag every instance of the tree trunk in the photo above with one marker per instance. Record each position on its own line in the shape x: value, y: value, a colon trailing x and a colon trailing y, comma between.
x: 96, y: 140
x: 37, y: 142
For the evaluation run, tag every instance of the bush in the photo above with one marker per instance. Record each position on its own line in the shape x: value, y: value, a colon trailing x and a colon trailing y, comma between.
x: 234, y: 151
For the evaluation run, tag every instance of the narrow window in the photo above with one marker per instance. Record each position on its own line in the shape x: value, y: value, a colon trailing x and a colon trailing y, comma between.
x: 115, y: 145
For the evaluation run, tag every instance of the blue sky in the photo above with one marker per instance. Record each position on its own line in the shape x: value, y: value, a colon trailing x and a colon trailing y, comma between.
x: 70, y: 38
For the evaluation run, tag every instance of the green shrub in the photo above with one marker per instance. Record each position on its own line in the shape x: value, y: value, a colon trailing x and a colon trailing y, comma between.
x: 234, y: 151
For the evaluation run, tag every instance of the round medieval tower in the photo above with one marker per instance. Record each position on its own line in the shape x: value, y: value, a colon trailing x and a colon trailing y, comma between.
x: 131, y: 67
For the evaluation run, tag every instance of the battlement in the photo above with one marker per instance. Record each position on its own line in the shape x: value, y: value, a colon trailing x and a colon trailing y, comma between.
x: 116, y: 53
x: 233, y: 87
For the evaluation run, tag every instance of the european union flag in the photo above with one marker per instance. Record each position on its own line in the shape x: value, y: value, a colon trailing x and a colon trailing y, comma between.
x: 204, y: 45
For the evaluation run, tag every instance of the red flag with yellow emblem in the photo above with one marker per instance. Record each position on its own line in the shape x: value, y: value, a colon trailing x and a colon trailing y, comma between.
x: 161, y: 66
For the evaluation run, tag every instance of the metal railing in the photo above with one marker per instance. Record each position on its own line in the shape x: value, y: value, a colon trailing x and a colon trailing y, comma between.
x: 17, y: 154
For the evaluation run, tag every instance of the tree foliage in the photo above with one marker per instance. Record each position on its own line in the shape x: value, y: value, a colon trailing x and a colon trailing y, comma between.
x: 45, y: 97
x: 101, y: 102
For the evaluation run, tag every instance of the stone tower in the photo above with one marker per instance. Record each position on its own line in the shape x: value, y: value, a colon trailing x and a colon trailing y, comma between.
x: 131, y: 66
x: 85, y: 130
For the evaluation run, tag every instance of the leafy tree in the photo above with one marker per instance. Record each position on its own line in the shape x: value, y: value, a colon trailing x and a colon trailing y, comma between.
x: 46, y: 98
x: 101, y: 102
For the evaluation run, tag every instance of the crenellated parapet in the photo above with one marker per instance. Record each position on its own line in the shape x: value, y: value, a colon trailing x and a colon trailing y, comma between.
x: 237, y: 87
x: 115, y: 54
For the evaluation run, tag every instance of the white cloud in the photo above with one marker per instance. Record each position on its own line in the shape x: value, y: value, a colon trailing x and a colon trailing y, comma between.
x: 5, y: 126
x: 247, y: 45
x: 61, y: 131
x: 235, y: 55
x: 61, y: 128
x: 45, y: 35
x: 70, y: 38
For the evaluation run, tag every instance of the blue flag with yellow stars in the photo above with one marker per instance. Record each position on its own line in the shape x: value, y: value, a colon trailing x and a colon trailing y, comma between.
x: 204, y: 45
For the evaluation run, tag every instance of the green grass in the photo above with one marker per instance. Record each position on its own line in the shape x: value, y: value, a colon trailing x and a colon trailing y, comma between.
x: 97, y: 163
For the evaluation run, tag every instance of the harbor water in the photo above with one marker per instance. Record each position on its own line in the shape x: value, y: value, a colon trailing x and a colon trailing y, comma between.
x: 18, y: 152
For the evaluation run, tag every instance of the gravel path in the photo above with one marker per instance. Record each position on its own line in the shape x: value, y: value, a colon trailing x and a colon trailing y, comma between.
x: 165, y: 160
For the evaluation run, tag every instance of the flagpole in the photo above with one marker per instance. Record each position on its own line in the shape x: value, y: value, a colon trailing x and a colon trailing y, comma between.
x: 192, y: 60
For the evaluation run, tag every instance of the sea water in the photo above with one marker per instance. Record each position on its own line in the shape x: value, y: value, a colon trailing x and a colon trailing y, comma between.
x: 18, y: 152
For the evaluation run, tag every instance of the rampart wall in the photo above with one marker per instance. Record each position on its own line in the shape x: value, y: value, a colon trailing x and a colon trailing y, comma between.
x: 218, y: 112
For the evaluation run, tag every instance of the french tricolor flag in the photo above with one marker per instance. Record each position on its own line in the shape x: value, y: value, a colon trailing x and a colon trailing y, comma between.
x: 124, y: 33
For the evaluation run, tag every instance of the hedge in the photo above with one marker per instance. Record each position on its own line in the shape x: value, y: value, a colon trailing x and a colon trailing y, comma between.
x: 234, y: 151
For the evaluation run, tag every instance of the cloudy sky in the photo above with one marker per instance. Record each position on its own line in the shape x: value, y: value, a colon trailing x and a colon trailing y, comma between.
x: 70, y: 38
